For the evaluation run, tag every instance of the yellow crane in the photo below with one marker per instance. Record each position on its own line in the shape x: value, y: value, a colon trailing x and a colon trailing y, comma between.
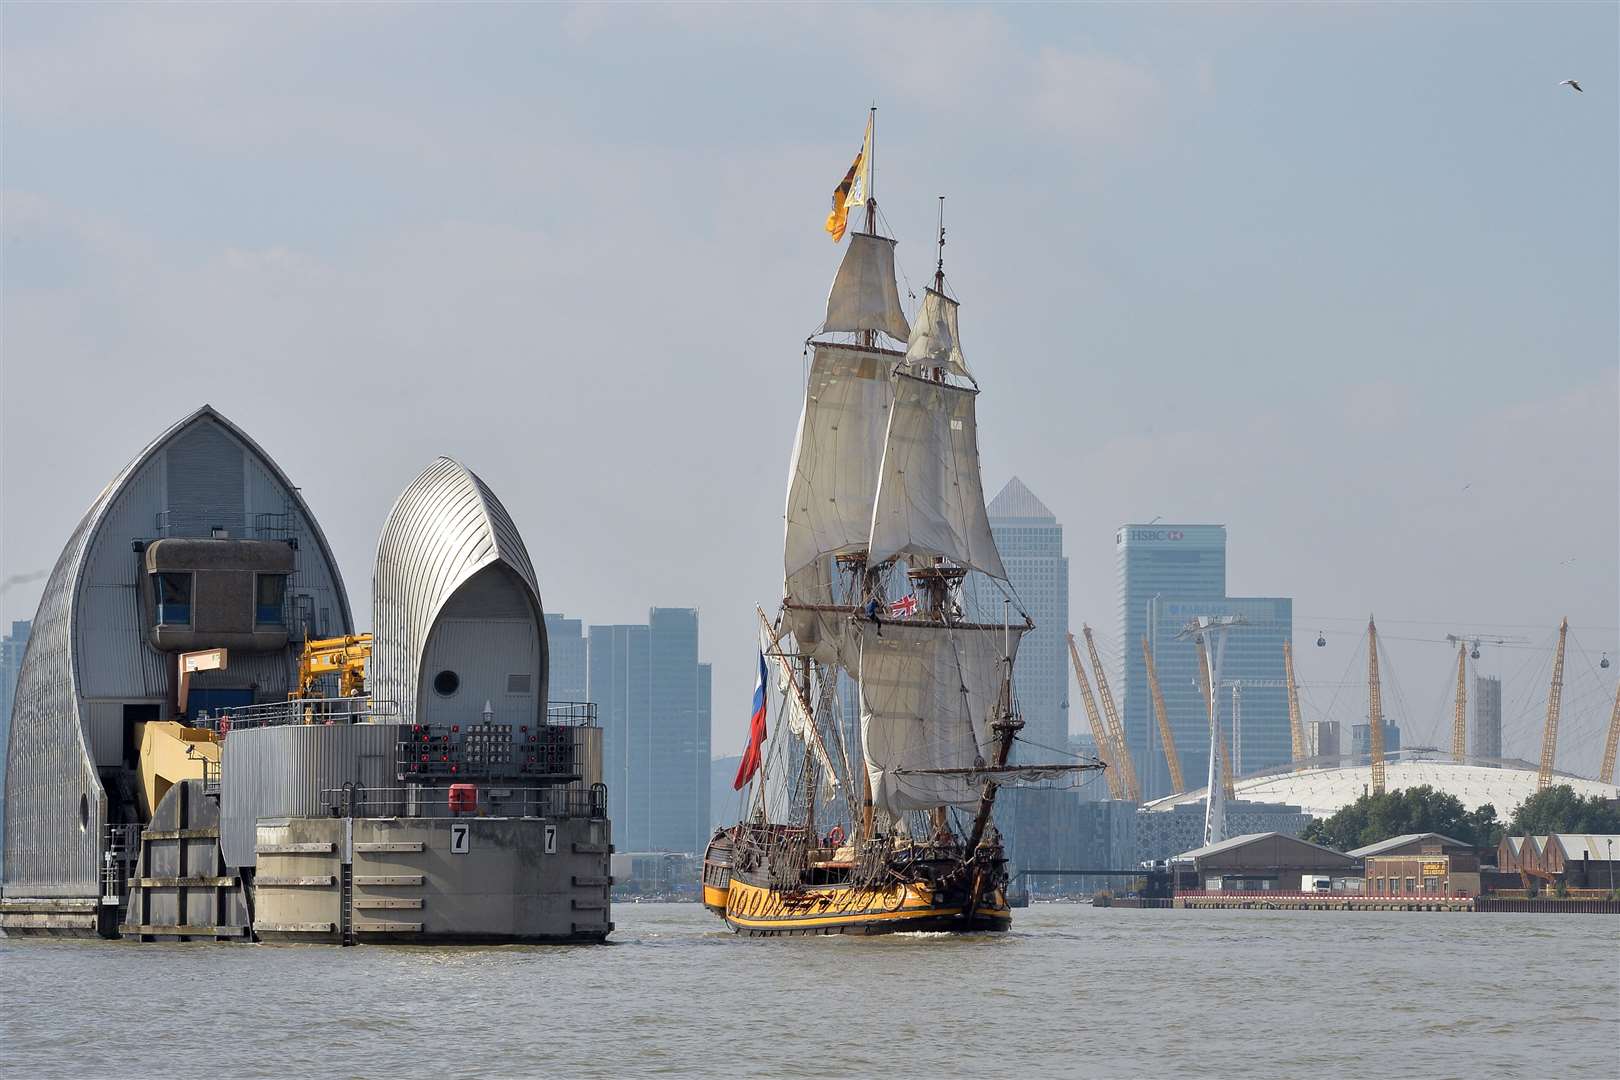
x: 344, y: 657
x: 1227, y: 787
x: 1099, y: 734
x: 1296, y: 725
x: 1555, y: 694
x: 1606, y: 774
x: 1110, y: 714
x: 1459, y: 719
x: 1171, y: 757
x: 1375, y: 709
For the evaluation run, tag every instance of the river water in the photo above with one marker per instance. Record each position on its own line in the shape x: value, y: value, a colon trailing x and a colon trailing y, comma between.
x: 1072, y: 991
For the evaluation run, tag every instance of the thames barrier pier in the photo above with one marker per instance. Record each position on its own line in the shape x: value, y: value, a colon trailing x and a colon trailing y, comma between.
x: 204, y: 748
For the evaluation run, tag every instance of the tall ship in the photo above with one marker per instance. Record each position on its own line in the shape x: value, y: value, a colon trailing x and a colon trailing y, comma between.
x: 896, y: 602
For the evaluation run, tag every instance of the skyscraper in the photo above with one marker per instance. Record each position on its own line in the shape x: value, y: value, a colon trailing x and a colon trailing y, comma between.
x: 1168, y: 576
x: 1485, y: 740
x: 652, y: 700
x: 1174, y: 562
x: 1030, y: 540
x: 1253, y: 698
x: 1031, y: 544
x: 565, y: 639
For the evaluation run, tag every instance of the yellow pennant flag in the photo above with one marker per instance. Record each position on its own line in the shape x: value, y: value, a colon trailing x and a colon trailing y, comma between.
x: 851, y: 191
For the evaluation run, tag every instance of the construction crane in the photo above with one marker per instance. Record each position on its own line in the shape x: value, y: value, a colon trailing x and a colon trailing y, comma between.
x: 344, y: 657
x: 1227, y: 787
x: 1171, y: 757
x: 1375, y: 710
x: 1099, y: 734
x: 1606, y: 774
x: 1459, y: 720
x: 1111, y: 715
x: 1467, y: 648
x: 1555, y: 694
x: 1296, y: 726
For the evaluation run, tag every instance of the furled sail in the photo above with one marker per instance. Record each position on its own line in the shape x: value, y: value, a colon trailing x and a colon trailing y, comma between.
x: 930, y: 499
x: 864, y: 296
x: 927, y: 692
x: 935, y: 340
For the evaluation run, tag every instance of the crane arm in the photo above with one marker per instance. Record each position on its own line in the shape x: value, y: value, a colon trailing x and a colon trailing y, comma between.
x: 1459, y: 720
x: 1606, y: 774
x: 1296, y: 725
x: 1111, y: 715
x: 1375, y: 710
x: 1555, y: 694
x: 1172, y: 758
x: 1099, y: 734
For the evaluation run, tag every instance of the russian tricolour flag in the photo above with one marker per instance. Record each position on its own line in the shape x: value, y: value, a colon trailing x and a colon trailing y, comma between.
x: 756, y: 732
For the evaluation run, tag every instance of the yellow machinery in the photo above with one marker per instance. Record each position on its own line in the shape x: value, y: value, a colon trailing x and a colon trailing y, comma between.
x: 1606, y: 774
x: 344, y: 657
x: 1099, y: 734
x: 1375, y: 710
x: 1296, y: 725
x: 172, y: 752
x: 1133, y: 790
x: 1171, y: 757
x: 1555, y: 694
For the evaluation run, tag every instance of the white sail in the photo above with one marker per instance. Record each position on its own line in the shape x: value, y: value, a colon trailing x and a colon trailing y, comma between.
x: 930, y: 499
x: 864, y: 296
x: 836, y: 458
x: 935, y: 340
x: 927, y: 692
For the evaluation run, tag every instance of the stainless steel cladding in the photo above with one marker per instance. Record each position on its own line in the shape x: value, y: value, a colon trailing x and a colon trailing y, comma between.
x: 89, y: 656
x: 290, y: 771
x: 458, y: 627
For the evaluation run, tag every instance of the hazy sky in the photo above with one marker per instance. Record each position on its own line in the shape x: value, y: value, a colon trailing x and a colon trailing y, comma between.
x: 1342, y: 277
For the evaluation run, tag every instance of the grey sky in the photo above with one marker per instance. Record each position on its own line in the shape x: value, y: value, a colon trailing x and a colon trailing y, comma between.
x: 1342, y: 277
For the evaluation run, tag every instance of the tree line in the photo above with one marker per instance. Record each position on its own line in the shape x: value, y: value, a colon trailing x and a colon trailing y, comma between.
x: 1372, y: 818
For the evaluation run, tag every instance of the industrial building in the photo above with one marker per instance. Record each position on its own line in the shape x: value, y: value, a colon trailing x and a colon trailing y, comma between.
x: 1418, y: 864
x: 1259, y: 862
x: 203, y: 748
x: 1579, y: 860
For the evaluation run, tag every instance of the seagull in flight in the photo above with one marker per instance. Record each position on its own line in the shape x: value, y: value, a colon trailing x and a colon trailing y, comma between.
x: 1573, y: 85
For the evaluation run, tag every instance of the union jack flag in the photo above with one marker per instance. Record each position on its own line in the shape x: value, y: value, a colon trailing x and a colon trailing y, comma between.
x: 903, y: 608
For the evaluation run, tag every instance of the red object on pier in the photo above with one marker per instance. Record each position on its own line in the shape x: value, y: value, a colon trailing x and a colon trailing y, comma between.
x: 463, y: 798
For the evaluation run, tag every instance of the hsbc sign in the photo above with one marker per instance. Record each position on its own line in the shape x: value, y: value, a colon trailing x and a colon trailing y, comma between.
x: 1141, y: 535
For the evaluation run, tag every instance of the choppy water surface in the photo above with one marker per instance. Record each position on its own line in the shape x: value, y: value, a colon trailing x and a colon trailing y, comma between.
x: 1071, y: 992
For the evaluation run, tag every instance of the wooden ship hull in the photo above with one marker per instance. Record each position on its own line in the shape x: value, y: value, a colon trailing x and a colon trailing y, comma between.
x: 938, y: 893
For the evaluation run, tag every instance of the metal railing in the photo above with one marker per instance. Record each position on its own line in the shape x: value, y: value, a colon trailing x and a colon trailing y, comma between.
x: 571, y: 713
x: 414, y: 800
x: 325, y: 710
x: 118, y: 857
x: 443, y: 752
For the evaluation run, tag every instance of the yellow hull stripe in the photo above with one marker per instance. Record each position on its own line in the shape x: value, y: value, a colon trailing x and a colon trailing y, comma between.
x: 754, y: 908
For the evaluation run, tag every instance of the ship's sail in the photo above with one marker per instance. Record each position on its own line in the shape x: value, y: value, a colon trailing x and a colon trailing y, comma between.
x: 927, y: 693
x: 935, y: 340
x: 864, y: 295
x: 930, y: 499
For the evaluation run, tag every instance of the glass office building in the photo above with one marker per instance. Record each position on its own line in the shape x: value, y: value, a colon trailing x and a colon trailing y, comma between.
x: 1252, y: 699
x: 565, y: 648
x: 652, y: 700
x: 1153, y: 561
